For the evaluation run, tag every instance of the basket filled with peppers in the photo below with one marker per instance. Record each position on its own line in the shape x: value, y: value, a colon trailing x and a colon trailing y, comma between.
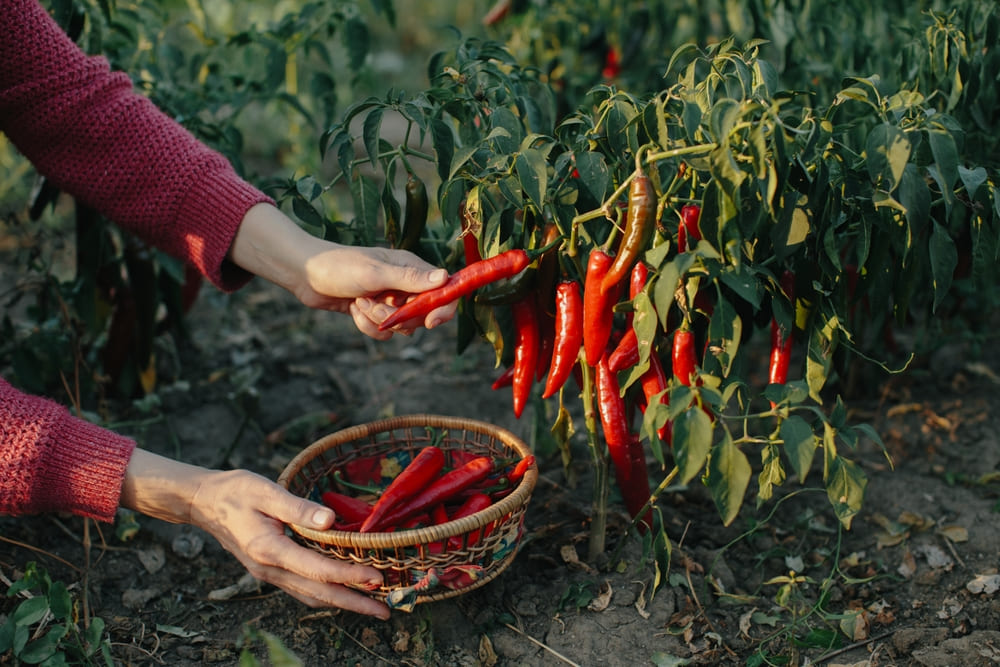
x: 435, y: 503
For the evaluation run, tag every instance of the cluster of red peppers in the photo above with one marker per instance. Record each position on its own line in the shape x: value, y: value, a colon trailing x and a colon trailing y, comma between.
x: 552, y: 327
x: 435, y: 486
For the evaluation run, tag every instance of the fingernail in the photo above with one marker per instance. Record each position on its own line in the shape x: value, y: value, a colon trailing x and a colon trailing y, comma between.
x: 433, y: 324
x: 322, y: 517
x: 364, y: 303
x: 438, y: 276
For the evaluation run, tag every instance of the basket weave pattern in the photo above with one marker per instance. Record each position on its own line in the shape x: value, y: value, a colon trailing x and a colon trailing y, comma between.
x: 487, y: 540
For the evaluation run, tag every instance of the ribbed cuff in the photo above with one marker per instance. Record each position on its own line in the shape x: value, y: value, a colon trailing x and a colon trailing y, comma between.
x: 83, y: 468
x: 218, y: 200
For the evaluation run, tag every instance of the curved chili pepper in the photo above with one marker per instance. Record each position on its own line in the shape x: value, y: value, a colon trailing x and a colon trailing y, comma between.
x: 688, y: 230
x: 348, y: 508
x: 626, y: 353
x: 636, y: 492
x: 781, y: 339
x: 415, y: 217
x: 525, y: 351
x: 520, y: 468
x: 639, y: 226
x: 568, y: 335
x: 506, y: 379
x: 414, y: 477
x: 614, y: 422
x: 477, y: 502
x: 683, y: 356
x: 548, y: 267
x: 462, y: 283
x: 439, y: 491
x: 654, y: 381
x: 598, y: 306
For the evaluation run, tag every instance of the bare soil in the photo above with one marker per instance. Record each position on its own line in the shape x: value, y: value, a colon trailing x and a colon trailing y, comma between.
x: 913, y: 582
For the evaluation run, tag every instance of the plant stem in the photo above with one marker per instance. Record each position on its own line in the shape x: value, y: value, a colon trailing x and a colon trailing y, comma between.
x: 599, y: 518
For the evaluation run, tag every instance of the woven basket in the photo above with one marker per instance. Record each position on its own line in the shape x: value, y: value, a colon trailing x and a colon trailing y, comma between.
x: 410, y: 571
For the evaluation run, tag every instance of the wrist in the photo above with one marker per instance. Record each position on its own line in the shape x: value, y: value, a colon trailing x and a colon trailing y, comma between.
x: 160, y: 487
x: 270, y: 245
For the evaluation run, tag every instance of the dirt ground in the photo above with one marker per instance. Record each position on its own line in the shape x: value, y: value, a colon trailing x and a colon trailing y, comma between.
x: 914, y: 582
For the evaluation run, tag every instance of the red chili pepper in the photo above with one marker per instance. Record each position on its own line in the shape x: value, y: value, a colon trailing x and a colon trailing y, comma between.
x: 612, y: 64
x: 639, y: 225
x: 424, y: 467
x: 781, y: 339
x: 683, y: 357
x: 506, y: 379
x: 474, y: 503
x: 614, y: 422
x: 654, y: 381
x: 439, y: 491
x: 568, y: 335
x: 520, y: 468
x: 348, y: 508
x: 635, y: 493
x: 688, y: 228
x: 598, y: 307
x: 626, y: 353
x: 525, y: 351
x: 461, y: 283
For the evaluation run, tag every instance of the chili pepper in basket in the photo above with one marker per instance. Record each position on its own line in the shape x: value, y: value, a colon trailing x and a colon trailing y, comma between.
x: 415, y: 217
x: 439, y: 491
x: 568, y: 335
x: 520, y: 468
x: 475, y: 503
x: 526, y: 346
x: 462, y: 283
x: 424, y: 467
x: 688, y: 232
x: 349, y: 508
x: 781, y: 339
x: 598, y: 306
x: 639, y: 226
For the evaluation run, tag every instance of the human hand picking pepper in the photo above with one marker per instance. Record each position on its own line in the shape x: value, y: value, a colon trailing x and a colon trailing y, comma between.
x: 368, y: 283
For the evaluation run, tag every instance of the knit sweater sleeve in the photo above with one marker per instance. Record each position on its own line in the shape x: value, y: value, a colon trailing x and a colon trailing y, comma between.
x: 53, y: 461
x: 86, y: 129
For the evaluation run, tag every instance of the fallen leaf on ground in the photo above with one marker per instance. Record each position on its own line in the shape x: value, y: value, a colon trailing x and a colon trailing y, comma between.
x: 603, y: 599
x: 954, y: 533
x: 246, y: 584
x: 984, y: 583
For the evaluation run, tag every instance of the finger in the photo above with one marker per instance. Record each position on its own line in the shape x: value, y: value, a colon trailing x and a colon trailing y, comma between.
x: 367, y: 322
x: 439, y: 316
x: 322, y: 594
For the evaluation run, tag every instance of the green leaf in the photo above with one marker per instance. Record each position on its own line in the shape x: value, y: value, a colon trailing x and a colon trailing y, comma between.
x: 44, y: 647
x: 845, y: 487
x: 357, y: 41
x: 915, y: 196
x: 594, y: 174
x: 729, y: 475
x: 888, y: 150
x: 972, y: 179
x: 444, y: 146
x: 370, y: 132
x: 365, y: 193
x: 31, y: 611
x: 800, y: 445
x: 507, y: 132
x: 532, y: 171
x: 944, y: 258
x: 59, y: 601
x: 692, y: 440
x: 945, y: 156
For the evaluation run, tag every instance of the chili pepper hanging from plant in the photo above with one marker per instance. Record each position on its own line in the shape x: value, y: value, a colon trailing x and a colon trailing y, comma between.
x: 598, y: 306
x: 526, y: 348
x: 568, y: 335
x: 639, y: 226
x: 415, y: 216
x: 781, y: 338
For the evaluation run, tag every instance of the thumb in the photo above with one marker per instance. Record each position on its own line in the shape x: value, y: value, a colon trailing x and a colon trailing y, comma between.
x: 289, y: 508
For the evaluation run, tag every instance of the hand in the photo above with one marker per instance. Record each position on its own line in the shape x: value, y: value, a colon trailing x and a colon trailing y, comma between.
x: 367, y: 283
x: 246, y: 513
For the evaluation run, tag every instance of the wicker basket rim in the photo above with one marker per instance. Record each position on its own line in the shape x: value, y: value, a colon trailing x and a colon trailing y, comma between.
x: 517, y: 498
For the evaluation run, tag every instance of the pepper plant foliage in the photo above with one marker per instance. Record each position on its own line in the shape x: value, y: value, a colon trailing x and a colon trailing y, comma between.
x: 862, y: 200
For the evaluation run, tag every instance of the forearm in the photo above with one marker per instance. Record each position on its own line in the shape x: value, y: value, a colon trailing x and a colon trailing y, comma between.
x: 270, y: 245
x: 160, y: 487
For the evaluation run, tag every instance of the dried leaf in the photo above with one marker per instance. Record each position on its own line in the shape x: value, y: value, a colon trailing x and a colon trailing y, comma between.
x: 401, y: 641
x: 908, y: 567
x: 936, y: 557
x: 570, y: 557
x: 984, y: 583
x: 153, y: 559
x: 954, y: 533
x: 915, y: 520
x: 640, y: 601
x: 603, y: 599
x: 745, y: 623
x: 854, y: 625
x: 487, y: 656
x: 370, y: 638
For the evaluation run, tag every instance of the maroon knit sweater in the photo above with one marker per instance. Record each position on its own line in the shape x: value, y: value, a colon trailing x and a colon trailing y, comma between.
x: 85, y: 129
